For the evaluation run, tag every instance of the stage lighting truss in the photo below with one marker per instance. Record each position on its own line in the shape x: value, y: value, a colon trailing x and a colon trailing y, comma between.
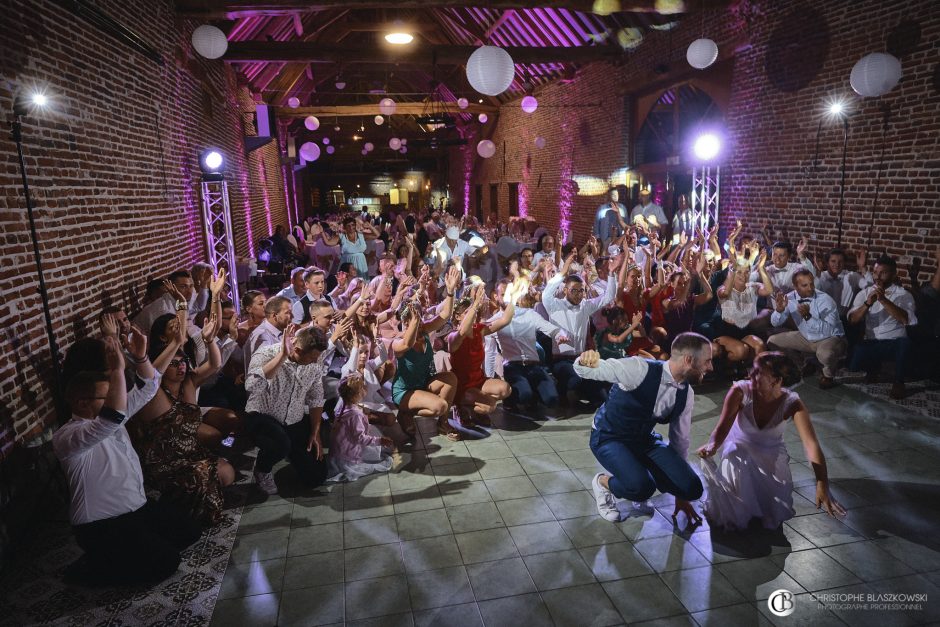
x: 705, y: 183
x: 217, y: 220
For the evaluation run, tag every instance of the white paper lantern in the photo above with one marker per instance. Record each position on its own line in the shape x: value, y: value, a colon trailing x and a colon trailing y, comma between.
x: 326, y: 141
x: 702, y: 53
x: 209, y: 41
x: 387, y: 106
x: 368, y: 147
x: 490, y: 70
x: 341, y: 85
x: 336, y: 128
x: 486, y: 149
x: 463, y: 103
x: 404, y: 142
x: 403, y: 150
x: 293, y: 102
x: 394, y: 143
x: 311, y: 122
x: 529, y: 104
x: 379, y: 120
x: 483, y: 118
x: 309, y: 151
x: 330, y: 150
x: 875, y: 74
x: 364, y: 151
x: 540, y: 142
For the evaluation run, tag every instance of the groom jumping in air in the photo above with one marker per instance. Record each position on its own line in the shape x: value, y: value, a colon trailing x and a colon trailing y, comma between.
x: 622, y: 439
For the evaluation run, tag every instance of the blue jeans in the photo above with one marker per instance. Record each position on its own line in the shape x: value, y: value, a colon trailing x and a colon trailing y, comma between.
x: 569, y: 381
x: 530, y: 384
x: 639, y: 466
x: 869, y: 354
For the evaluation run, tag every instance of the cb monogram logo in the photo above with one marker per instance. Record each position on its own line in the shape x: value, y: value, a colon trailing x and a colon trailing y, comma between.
x: 781, y: 602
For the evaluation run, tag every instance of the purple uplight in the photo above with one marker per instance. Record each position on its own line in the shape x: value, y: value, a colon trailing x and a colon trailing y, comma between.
x: 566, y: 190
x: 264, y: 193
x: 468, y: 159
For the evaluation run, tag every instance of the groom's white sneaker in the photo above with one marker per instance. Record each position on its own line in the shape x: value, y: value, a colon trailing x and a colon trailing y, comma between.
x: 606, y: 501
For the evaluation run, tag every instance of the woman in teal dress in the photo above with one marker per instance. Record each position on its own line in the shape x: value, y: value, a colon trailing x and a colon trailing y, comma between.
x: 417, y: 388
x: 352, y: 243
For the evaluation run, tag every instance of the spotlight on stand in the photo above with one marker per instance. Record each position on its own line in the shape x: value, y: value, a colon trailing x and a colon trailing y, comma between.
x: 212, y: 163
x: 707, y: 146
x: 836, y: 108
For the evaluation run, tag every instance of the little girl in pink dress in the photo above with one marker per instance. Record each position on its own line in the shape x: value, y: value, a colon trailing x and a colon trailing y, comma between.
x: 356, y: 449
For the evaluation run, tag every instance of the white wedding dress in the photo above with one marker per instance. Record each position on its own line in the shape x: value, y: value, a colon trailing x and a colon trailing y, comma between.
x: 750, y: 476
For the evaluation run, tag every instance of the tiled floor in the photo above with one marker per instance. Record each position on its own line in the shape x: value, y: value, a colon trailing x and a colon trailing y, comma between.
x: 503, y: 531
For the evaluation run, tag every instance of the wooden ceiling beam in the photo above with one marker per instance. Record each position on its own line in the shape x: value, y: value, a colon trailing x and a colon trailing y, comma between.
x: 303, y: 52
x: 367, y: 110
x: 231, y: 9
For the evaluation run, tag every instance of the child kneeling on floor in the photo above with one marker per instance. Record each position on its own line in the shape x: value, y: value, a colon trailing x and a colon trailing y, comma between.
x: 355, y: 447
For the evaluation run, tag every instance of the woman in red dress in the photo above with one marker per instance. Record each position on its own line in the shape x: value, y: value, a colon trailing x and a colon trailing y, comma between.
x: 465, y: 343
x: 635, y: 300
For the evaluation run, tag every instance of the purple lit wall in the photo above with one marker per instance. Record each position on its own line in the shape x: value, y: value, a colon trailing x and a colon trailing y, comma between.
x: 468, y: 155
x: 263, y: 175
x: 524, y: 188
x: 566, y: 191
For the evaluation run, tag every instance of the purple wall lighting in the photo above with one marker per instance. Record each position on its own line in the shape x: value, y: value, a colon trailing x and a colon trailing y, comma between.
x: 246, y: 199
x: 267, y: 199
x: 566, y: 190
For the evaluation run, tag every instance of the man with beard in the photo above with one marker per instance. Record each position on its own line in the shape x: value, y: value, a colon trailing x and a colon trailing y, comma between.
x: 887, y: 309
x: 647, y: 392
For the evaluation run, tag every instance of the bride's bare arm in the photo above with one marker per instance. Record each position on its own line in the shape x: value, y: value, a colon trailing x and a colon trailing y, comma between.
x: 729, y: 412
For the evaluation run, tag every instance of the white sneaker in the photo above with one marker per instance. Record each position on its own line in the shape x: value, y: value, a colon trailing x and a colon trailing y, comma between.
x: 606, y: 501
x: 265, y: 481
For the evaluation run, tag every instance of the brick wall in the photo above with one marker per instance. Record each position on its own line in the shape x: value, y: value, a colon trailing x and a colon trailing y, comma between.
x: 788, y: 57
x: 115, y: 177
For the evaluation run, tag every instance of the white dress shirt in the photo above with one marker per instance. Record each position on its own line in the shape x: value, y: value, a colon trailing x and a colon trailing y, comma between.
x: 517, y: 339
x: 628, y: 373
x: 100, y: 463
x: 652, y: 209
x: 297, y: 309
x: 289, y: 293
x: 290, y: 394
x: 461, y: 249
x: 843, y: 287
x: 264, y: 334
x: 879, y: 324
x: 782, y: 278
x: 574, y: 319
x: 823, y: 322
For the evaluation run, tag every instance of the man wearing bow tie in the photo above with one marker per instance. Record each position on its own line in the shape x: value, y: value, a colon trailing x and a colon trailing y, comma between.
x: 820, y: 331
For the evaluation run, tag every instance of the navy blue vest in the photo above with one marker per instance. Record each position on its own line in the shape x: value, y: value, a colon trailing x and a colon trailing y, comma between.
x: 629, y: 415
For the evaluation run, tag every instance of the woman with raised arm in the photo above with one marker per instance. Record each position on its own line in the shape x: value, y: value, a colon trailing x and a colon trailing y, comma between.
x: 417, y: 388
x: 751, y: 478
x: 737, y: 299
x: 465, y: 344
x: 352, y: 243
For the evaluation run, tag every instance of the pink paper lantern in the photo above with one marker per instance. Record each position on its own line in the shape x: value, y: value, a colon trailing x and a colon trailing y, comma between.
x: 483, y: 118
x: 529, y: 104
x: 309, y: 152
x: 486, y: 149
x: 293, y: 102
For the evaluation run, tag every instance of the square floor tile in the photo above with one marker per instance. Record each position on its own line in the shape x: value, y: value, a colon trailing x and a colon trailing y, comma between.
x: 582, y: 458
x: 757, y: 578
x: 315, y: 539
x: 556, y: 482
x: 701, y: 589
x: 542, y: 537
x: 545, y: 462
x: 250, y: 578
x: 485, y: 450
x: 915, y: 554
x: 370, y: 531
x: 377, y: 597
x: 823, y: 530
x: 405, y: 619
x: 591, y: 530
x: 499, y: 468
x: 741, y: 614
x: 571, y: 504
x: 526, y: 609
x: 501, y: 578
x: 867, y: 561
x: 322, y: 605
x: 558, y: 570
x: 438, y: 588
x: 317, y: 511
x: 530, y: 446
x: 461, y: 471
x: 265, y: 519
x: 641, y: 526
x: 260, y: 609
x: 417, y: 500
x: 581, y: 606
x: 670, y: 553
x: 806, y: 613
x: 615, y: 561
x: 373, y: 561
x: 466, y: 615
x: 430, y: 553
x: 463, y: 492
x: 423, y: 524
x: 474, y: 517
x: 355, y: 507
x: 486, y: 545
x: 643, y: 598
x: 814, y: 570
x: 510, y: 488
x: 522, y: 511
x: 257, y: 547
x: 318, y: 569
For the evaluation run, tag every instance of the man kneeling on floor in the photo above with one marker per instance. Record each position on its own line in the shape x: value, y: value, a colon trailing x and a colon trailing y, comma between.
x: 622, y: 439
x: 126, y: 538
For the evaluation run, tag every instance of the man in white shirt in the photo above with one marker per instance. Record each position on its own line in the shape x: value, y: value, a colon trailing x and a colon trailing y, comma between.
x: 277, y: 315
x: 531, y: 381
x: 840, y: 283
x: 646, y: 210
x: 296, y: 290
x: 622, y: 438
x: 284, y: 382
x: 781, y: 269
x: 451, y: 246
x: 820, y: 330
x: 126, y: 538
x: 887, y: 309
x: 167, y: 303
x: 572, y: 312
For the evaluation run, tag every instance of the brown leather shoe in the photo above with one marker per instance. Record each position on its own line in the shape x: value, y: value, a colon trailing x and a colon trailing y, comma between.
x: 826, y: 383
x: 898, y: 391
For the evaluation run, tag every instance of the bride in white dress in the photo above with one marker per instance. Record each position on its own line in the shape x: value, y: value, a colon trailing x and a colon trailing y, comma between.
x: 751, y: 478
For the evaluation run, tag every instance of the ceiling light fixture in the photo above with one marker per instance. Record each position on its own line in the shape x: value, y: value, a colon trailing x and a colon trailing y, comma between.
x: 399, y: 39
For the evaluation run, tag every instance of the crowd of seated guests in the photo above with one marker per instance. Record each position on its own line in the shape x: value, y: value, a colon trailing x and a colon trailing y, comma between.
x: 445, y: 320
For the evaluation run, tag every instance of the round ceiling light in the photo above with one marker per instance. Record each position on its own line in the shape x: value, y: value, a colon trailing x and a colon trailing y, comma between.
x: 399, y: 39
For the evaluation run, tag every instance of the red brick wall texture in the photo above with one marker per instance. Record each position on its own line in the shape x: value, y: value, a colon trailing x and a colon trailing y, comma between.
x: 788, y: 57
x: 114, y: 175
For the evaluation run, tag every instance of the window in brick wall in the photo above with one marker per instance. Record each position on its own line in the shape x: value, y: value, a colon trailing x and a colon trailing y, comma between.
x: 513, y: 199
x: 494, y: 200
x: 677, y: 114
